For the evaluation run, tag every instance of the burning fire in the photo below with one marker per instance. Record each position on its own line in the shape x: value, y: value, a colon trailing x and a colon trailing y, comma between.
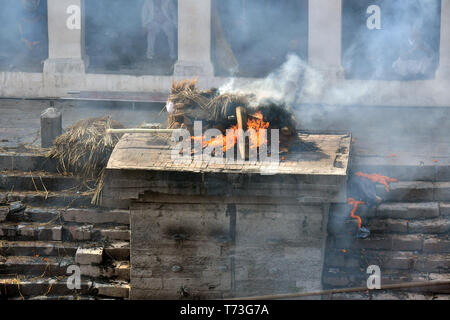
x: 255, y: 123
x: 254, y: 126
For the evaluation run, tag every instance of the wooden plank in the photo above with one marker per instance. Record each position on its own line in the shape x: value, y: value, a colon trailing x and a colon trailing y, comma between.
x: 119, y: 96
x: 139, y: 152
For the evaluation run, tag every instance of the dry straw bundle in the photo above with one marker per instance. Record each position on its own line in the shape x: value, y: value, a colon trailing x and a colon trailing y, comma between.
x: 191, y: 104
x: 84, y: 150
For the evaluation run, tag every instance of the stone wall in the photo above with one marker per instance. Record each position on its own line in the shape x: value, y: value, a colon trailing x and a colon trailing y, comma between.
x: 216, y: 250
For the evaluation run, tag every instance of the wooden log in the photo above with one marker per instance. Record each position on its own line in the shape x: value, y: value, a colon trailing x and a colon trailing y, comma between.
x: 138, y: 130
x: 51, y: 126
x: 241, y: 116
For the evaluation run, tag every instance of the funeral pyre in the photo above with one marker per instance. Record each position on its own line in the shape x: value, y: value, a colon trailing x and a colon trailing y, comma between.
x: 231, y: 115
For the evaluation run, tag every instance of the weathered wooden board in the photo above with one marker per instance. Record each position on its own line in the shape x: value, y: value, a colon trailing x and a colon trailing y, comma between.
x: 145, y: 152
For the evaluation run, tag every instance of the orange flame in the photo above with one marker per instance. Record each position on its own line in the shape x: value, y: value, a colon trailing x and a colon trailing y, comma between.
x: 254, y: 125
x: 257, y: 124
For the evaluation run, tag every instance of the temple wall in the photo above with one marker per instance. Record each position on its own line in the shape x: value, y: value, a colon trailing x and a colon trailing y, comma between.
x: 65, y: 68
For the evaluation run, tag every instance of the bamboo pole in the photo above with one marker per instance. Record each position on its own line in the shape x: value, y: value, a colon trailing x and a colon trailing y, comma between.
x: 403, y: 285
x: 119, y: 131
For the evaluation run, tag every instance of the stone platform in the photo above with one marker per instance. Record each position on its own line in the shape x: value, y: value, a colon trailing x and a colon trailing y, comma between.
x: 209, y: 230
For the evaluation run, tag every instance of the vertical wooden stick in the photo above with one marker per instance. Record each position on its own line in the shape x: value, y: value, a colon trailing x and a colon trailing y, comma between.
x: 241, y: 116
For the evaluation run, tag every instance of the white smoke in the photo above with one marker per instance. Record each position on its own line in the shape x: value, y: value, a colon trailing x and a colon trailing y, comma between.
x: 283, y: 85
x: 296, y: 82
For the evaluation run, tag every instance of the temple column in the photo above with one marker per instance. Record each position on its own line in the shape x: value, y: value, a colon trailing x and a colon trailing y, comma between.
x: 194, y: 38
x: 325, y: 34
x: 66, y: 63
x: 443, y: 71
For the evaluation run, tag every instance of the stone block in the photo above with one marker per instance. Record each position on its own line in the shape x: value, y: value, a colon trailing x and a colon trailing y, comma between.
x: 408, y: 210
x: 89, y: 256
x: 4, y: 211
x: 435, y: 245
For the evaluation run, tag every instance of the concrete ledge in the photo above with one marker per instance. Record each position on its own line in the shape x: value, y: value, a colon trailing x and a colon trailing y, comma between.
x: 52, y: 66
x: 57, y: 82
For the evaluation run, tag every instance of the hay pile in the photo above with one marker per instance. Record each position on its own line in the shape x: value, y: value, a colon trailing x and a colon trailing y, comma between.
x: 191, y: 104
x: 84, y: 150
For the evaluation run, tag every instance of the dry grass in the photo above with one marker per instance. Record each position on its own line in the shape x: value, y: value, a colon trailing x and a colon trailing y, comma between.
x: 190, y: 102
x: 84, y: 150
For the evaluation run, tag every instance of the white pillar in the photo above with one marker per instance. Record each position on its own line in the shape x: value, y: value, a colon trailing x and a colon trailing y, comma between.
x: 194, y: 38
x: 325, y: 34
x: 66, y: 37
x: 443, y: 71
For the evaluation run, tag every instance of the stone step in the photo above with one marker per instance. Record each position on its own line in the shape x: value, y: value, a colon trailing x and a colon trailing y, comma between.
x: 89, y: 232
x: 392, y: 217
x: 395, y: 210
x: 395, y: 242
x: 428, y: 226
x: 27, y: 162
x: 36, y: 265
x: 30, y: 231
x: 57, y: 266
x: 334, y: 278
x: 61, y: 297
x: 52, y: 199
x: 36, y: 214
x: 118, y: 270
x: 409, y: 169
x: 402, y: 210
x: 389, y: 260
x: 36, y: 181
x: 390, y: 226
x: 17, y: 287
x: 52, y: 232
x: 94, y: 216
x: 115, y: 250
x: 415, y: 191
x: 388, y: 295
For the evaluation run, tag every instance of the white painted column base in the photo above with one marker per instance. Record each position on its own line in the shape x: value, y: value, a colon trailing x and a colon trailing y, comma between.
x: 190, y: 68
x: 64, y: 65
x: 443, y: 73
x: 330, y: 73
x: 63, y: 75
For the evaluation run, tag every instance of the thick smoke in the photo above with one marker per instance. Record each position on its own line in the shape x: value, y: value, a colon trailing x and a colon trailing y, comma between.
x: 283, y: 85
